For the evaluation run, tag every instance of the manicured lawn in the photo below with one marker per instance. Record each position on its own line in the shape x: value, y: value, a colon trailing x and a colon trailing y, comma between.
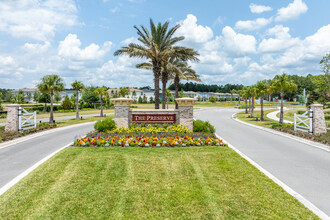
x: 267, y: 123
x: 61, y: 114
x: 149, y: 183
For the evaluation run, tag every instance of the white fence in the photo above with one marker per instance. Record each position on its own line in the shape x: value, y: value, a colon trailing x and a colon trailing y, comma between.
x: 304, y: 122
x: 26, y: 120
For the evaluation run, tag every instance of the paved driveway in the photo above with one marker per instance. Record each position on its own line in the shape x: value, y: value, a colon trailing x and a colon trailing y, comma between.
x: 303, y: 168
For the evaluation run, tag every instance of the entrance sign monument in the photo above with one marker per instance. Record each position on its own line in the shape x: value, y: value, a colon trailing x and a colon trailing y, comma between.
x: 124, y: 116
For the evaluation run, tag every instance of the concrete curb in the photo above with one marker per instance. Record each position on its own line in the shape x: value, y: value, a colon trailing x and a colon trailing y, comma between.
x: 38, y: 134
x: 29, y: 170
x: 289, y: 190
x: 302, y: 140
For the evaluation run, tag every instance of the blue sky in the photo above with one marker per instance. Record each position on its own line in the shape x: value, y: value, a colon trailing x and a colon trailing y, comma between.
x: 239, y: 41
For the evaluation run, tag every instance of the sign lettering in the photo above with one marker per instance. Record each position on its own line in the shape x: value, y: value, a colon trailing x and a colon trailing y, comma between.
x: 154, y: 118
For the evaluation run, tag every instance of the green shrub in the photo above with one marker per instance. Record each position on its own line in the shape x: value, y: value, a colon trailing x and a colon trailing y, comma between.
x: 285, y: 125
x: 108, y: 124
x: 203, y: 126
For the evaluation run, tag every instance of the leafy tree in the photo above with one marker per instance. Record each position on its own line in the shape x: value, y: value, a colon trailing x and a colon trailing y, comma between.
x: 44, y: 98
x: 133, y: 95
x: 57, y: 97
x: 66, y: 104
x: 155, y: 46
x: 151, y: 99
x: 261, y: 91
x: 181, y: 94
x: 231, y: 94
x: 124, y: 91
x: 140, y: 100
x: 89, y: 96
x: 101, y: 92
x: 310, y: 101
x: 213, y: 99
x: 36, y: 96
x: 9, y: 96
x: 145, y: 99
x: 253, y: 94
x: 51, y: 84
x: 245, y: 94
x: 282, y: 85
x: 78, y: 86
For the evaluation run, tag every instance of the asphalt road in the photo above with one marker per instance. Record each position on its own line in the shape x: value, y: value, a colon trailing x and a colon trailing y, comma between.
x: 19, y: 157
x: 302, y: 167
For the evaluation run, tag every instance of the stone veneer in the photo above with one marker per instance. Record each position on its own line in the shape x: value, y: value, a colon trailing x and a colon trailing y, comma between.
x: 184, y: 115
x: 12, y: 118
x: 319, y: 125
x: 122, y: 111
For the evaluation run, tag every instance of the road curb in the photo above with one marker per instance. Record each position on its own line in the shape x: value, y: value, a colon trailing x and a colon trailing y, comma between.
x: 38, y: 134
x: 29, y: 170
x: 288, y: 189
x: 302, y: 140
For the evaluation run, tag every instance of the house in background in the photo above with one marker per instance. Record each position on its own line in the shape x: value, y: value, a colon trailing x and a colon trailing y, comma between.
x: 135, y: 96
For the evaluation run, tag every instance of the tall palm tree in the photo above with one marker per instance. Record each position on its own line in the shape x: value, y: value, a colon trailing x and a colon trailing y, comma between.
x: 79, y: 87
x: 245, y: 95
x: 155, y: 45
x: 261, y: 89
x: 282, y: 85
x: 180, y: 70
x: 253, y: 93
x: 51, y: 84
x: 101, y: 92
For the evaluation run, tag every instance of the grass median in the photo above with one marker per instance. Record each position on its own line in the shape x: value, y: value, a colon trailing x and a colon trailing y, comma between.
x: 149, y: 183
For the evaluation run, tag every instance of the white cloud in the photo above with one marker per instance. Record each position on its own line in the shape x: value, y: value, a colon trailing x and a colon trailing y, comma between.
x: 252, y: 24
x: 238, y: 44
x: 293, y: 10
x: 37, y: 48
x: 280, y: 43
x: 70, y: 48
x: 259, y: 8
x: 6, y: 61
x: 37, y: 20
x: 192, y: 32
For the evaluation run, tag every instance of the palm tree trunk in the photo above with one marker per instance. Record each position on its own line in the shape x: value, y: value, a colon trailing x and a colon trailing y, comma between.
x: 164, y: 81
x: 246, y: 111
x: 281, y: 111
x: 262, y: 108
x: 101, y: 106
x: 167, y: 101
x: 77, y: 106
x: 250, y: 104
x: 45, y: 105
x: 269, y: 98
x: 239, y: 100
x: 51, y: 118
x: 176, y: 83
x: 157, y: 71
x: 252, y: 108
x: 231, y: 98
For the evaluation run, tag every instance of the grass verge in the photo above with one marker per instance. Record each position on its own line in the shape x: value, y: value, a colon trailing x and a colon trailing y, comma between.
x: 152, y: 183
x: 6, y: 136
x: 267, y: 123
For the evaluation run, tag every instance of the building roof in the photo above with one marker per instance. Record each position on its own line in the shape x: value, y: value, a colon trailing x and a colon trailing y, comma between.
x: 130, y: 89
x: 25, y: 90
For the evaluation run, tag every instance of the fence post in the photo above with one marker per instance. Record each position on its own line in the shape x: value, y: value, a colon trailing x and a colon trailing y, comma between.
x: 295, y: 120
x: 12, y: 121
x: 318, y: 121
x: 35, y: 119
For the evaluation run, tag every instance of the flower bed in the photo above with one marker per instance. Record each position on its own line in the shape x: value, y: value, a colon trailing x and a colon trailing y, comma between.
x: 148, y: 141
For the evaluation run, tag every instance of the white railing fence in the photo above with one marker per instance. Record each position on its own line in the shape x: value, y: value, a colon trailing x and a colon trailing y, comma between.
x: 304, y: 122
x: 26, y: 120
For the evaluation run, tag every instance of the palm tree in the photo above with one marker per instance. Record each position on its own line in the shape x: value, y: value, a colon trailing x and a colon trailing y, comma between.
x: 261, y: 89
x: 79, y: 87
x: 231, y: 95
x: 155, y: 46
x: 253, y: 93
x: 102, y: 92
x: 181, y: 70
x: 51, y: 84
x: 282, y: 84
x: 168, y: 95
